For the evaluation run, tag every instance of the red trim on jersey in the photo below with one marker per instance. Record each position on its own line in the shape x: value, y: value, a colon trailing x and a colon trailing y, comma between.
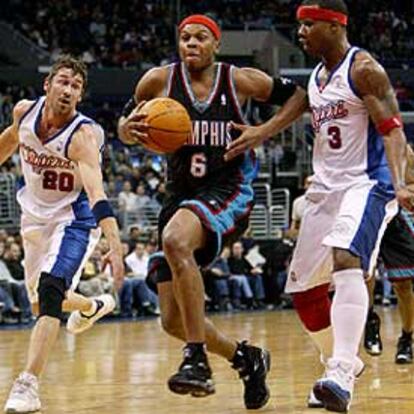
x: 318, y: 13
x: 233, y: 95
x: 387, y: 125
x: 206, y: 21
x: 171, y: 77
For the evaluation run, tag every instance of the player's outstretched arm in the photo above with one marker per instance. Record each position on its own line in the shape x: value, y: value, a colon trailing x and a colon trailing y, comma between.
x: 84, y: 150
x: 132, y: 128
x: 9, y: 138
x: 374, y: 87
x: 253, y: 83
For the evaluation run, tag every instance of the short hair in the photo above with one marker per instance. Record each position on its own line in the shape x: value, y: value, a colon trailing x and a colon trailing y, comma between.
x: 70, y: 62
x: 334, y: 5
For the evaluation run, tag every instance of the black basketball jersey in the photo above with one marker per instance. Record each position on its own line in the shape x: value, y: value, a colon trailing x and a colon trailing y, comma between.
x: 200, y: 162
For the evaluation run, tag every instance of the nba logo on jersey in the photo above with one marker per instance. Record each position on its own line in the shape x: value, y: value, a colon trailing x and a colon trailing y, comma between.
x: 223, y: 100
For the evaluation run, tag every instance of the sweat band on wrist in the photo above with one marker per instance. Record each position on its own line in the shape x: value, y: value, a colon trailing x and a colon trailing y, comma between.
x: 387, y: 125
x: 318, y: 13
x: 101, y: 210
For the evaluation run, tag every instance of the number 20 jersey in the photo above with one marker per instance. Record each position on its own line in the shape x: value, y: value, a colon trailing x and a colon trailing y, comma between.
x: 52, y: 189
x: 347, y: 149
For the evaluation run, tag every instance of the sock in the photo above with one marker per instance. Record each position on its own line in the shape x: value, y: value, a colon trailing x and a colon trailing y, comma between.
x: 407, y: 335
x: 348, y: 313
x: 195, y: 348
x: 92, y: 310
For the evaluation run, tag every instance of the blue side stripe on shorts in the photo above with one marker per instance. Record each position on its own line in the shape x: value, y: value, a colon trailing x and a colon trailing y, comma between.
x: 72, y: 250
x: 401, y: 273
x: 366, y: 237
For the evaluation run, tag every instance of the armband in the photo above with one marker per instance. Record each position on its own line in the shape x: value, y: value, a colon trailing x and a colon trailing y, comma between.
x: 129, y: 107
x: 387, y: 125
x: 282, y: 90
x: 101, y: 210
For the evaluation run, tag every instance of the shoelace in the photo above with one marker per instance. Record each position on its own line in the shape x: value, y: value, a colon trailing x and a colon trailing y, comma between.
x: 21, y: 387
x: 340, y: 373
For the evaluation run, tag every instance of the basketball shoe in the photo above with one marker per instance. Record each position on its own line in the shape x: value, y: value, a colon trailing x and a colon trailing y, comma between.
x: 372, y: 338
x: 404, y: 353
x: 253, y: 364
x: 335, y: 389
x: 194, y: 375
x: 78, y: 322
x: 359, y: 368
x: 24, y: 395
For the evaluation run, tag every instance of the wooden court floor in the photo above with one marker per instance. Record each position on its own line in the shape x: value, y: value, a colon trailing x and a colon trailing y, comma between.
x: 122, y: 368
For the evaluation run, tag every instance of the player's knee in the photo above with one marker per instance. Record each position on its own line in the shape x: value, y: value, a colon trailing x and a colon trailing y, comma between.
x: 403, y: 288
x: 175, y: 244
x: 344, y: 259
x: 51, y: 292
x: 313, y: 308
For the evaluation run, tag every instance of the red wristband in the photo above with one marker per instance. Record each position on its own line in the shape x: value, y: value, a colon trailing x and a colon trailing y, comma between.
x: 387, y: 125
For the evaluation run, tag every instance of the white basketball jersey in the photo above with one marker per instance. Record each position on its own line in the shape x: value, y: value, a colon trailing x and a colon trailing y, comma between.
x: 52, y: 189
x: 347, y: 149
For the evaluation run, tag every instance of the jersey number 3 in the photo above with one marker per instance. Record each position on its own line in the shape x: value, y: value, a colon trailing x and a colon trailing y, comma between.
x: 335, y: 141
x: 198, y: 165
x: 55, y: 181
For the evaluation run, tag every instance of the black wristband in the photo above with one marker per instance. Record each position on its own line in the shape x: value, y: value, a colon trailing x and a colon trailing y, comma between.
x: 129, y: 107
x: 101, y: 210
x: 283, y: 89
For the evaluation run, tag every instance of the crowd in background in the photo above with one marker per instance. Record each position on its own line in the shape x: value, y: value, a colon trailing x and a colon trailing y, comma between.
x: 140, y: 34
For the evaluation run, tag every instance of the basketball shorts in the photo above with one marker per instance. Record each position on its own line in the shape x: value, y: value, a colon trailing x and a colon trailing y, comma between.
x: 354, y: 219
x: 397, y: 247
x: 60, y: 249
x: 224, y: 213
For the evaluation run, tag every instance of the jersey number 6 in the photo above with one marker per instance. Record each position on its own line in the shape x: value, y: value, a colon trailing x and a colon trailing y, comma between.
x: 198, y: 165
x: 55, y: 181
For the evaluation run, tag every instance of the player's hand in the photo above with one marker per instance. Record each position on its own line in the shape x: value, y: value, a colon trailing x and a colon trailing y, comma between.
x: 134, y: 129
x: 251, y: 137
x: 405, y: 197
x: 115, y: 260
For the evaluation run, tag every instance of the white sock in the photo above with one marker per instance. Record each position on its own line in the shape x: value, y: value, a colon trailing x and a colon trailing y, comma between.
x: 324, y: 342
x: 348, y: 313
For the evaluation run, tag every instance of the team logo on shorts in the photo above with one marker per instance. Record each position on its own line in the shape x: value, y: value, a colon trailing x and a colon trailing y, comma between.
x: 292, y: 276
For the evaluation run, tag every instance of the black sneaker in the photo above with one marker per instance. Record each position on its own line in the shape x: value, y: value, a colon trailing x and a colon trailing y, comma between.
x: 372, y: 339
x: 253, y: 364
x: 404, y: 353
x: 193, y: 376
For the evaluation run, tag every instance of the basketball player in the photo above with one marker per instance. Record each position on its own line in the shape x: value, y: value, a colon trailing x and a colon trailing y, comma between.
x: 359, y: 162
x: 208, y: 200
x: 62, y: 202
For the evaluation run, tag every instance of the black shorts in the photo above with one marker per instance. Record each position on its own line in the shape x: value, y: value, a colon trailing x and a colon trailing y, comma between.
x: 397, y: 248
x: 224, y: 213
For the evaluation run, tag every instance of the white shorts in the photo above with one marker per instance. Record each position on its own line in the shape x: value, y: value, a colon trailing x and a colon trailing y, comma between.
x: 60, y: 249
x: 354, y: 219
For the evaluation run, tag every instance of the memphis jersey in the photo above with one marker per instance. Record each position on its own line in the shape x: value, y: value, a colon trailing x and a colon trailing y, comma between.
x: 347, y: 149
x: 52, y: 189
x: 201, y: 160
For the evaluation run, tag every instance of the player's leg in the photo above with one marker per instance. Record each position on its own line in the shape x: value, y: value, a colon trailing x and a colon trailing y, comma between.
x: 404, y: 291
x: 181, y: 237
x: 372, y: 337
x: 355, y: 239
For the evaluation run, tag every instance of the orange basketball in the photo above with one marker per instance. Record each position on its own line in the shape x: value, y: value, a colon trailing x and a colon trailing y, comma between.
x: 169, y: 125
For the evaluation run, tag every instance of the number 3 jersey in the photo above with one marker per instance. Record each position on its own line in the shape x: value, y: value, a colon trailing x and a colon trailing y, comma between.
x: 200, y: 162
x: 52, y: 188
x: 347, y: 148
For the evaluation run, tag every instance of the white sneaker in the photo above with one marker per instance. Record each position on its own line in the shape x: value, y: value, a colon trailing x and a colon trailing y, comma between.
x: 78, y: 322
x: 358, y: 370
x: 335, y: 389
x: 24, y: 395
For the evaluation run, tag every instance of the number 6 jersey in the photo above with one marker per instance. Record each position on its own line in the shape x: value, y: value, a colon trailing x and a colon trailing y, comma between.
x: 52, y: 189
x: 347, y: 149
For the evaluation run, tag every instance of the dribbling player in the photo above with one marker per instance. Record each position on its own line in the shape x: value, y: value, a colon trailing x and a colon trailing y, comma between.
x: 63, y: 202
x: 208, y: 201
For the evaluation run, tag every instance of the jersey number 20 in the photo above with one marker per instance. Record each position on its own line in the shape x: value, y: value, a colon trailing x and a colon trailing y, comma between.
x: 55, y: 181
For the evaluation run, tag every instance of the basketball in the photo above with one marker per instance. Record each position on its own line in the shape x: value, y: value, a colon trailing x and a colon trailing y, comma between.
x: 169, y: 125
